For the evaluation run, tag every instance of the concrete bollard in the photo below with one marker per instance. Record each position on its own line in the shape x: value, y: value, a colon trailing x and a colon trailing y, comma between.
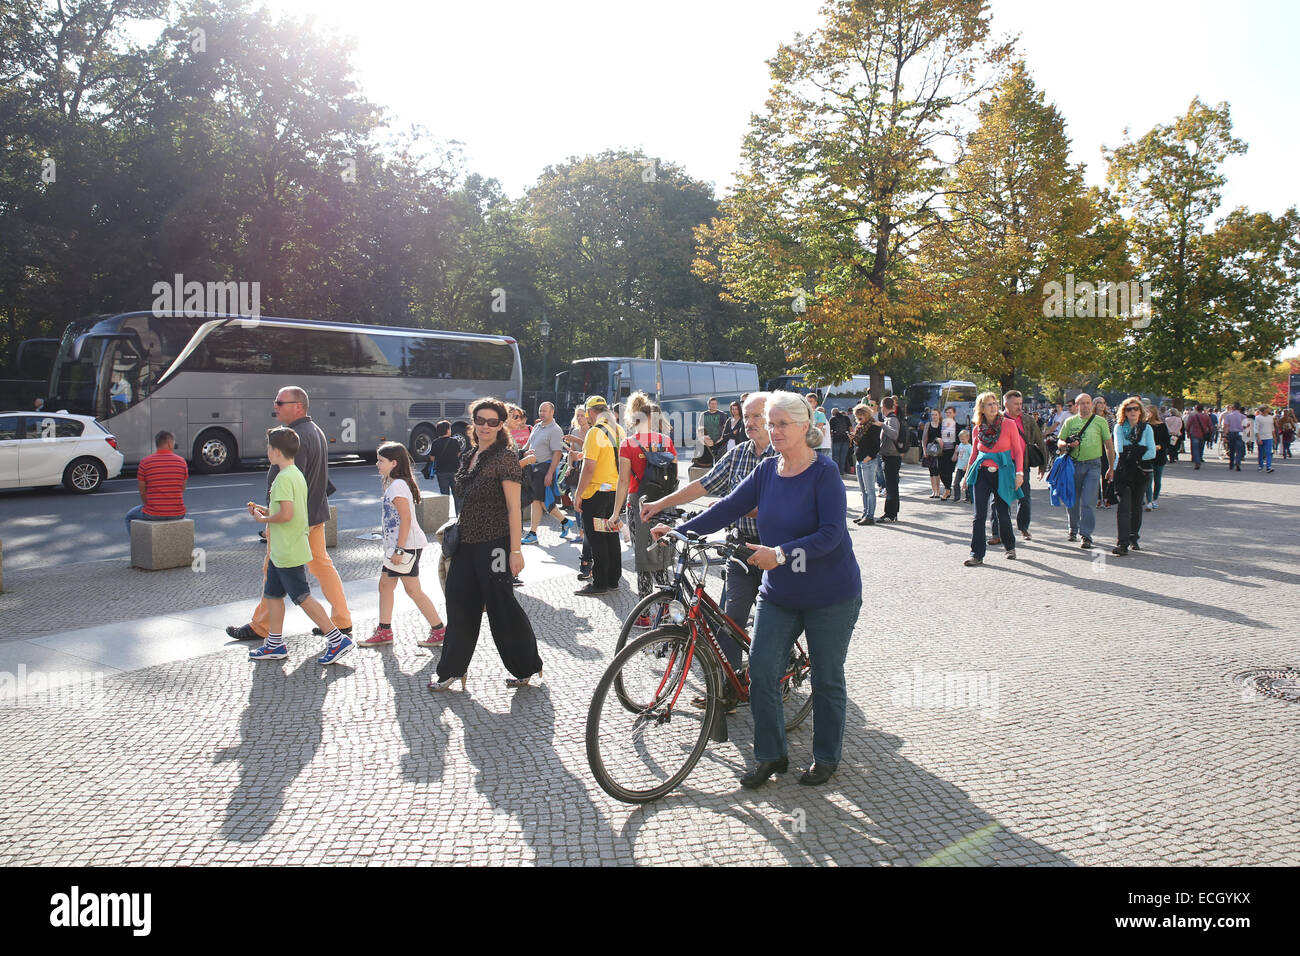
x: 432, y: 512
x: 332, y: 528
x: 159, y: 545
x: 912, y: 456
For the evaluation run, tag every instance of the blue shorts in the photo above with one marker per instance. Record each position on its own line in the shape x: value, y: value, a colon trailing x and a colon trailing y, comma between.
x: 290, y: 581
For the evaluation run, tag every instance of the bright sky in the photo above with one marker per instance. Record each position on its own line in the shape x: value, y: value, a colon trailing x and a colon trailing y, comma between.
x: 524, y: 84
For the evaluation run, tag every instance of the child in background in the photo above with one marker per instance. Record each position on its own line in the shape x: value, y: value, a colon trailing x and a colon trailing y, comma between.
x: 286, y: 564
x: 963, y: 459
x: 403, y: 542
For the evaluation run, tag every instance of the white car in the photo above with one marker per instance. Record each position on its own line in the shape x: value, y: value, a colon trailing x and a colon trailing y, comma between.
x: 44, y: 448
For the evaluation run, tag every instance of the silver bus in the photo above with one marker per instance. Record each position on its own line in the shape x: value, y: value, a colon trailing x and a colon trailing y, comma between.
x: 211, y: 379
x: 846, y: 394
x: 687, y: 387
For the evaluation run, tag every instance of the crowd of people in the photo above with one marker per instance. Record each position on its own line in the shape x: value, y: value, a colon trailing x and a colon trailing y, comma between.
x: 776, y: 464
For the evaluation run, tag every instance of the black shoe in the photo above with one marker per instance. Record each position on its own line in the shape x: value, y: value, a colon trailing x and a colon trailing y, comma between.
x: 818, y: 774
x: 758, y: 776
x: 1073, y: 536
x: 972, y: 562
x: 584, y: 572
x: 866, y: 521
x: 317, y: 632
x: 1086, y: 544
x: 516, y: 582
x: 244, y: 632
x: 1011, y: 555
x: 1119, y: 550
x: 591, y: 589
x: 1134, y: 546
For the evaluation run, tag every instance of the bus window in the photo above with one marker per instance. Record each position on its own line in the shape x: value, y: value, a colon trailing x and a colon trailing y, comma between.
x: 330, y: 353
x: 676, y: 380
x: 643, y: 376
x: 746, y: 380
x: 383, y: 355
x: 725, y: 380
x: 593, y: 378
x: 428, y: 359
x: 701, y: 380
x: 961, y: 393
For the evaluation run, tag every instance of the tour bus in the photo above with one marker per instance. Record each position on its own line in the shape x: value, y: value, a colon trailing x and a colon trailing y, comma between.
x: 846, y: 394
x: 688, y: 386
x: 923, y: 395
x: 211, y: 380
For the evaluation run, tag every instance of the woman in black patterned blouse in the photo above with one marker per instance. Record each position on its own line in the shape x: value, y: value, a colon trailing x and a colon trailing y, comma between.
x: 488, y: 556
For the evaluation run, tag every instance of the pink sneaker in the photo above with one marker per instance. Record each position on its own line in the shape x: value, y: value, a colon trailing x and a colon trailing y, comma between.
x: 382, y: 636
x: 435, y: 638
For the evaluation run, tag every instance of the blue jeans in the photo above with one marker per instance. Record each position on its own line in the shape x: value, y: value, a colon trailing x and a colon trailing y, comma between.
x: 1236, y: 449
x: 828, y: 630
x: 1198, y: 450
x: 1083, y: 513
x: 137, y: 514
x: 867, y: 482
x: 1265, y: 449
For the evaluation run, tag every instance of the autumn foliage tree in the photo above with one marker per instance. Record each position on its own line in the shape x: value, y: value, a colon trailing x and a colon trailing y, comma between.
x: 1019, y: 218
x: 841, y: 174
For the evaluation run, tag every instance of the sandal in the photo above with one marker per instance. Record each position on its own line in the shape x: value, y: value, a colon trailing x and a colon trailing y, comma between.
x: 522, y: 681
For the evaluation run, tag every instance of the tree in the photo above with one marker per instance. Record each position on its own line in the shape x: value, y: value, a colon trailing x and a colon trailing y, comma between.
x: 1215, y: 292
x: 1252, y: 382
x: 1019, y: 220
x: 840, y: 175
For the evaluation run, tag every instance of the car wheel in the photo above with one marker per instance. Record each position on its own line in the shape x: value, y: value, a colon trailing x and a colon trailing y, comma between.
x: 84, y: 475
x: 214, y: 452
x: 422, y: 437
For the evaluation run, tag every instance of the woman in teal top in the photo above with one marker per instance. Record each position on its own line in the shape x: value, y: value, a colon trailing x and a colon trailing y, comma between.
x: 1135, y: 451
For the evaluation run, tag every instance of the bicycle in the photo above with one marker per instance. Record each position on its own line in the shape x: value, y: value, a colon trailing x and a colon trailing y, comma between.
x: 640, y: 744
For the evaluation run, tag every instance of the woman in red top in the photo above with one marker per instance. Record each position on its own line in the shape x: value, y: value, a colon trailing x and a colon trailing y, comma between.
x: 645, y: 432
x: 999, y: 449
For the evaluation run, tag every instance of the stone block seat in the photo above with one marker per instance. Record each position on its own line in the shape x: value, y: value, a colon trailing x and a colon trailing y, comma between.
x: 158, y: 545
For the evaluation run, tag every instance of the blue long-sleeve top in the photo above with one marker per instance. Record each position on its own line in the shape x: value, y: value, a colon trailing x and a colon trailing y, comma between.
x: 1148, y: 439
x: 806, y: 516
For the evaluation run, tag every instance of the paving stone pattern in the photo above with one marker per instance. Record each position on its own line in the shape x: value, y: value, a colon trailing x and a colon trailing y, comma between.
x: 1057, y: 710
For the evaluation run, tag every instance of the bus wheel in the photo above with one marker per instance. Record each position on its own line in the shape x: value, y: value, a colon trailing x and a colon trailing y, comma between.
x: 421, y: 442
x: 214, y: 452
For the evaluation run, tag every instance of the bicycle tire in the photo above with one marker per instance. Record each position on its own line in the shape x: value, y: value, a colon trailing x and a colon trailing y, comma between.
x: 797, y: 706
x: 633, y: 706
x: 608, y: 725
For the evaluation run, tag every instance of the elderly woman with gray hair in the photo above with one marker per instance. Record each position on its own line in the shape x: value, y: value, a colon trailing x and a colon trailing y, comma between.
x: 811, y: 585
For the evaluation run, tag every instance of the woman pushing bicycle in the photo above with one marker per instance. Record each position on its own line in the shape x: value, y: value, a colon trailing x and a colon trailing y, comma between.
x: 811, y: 585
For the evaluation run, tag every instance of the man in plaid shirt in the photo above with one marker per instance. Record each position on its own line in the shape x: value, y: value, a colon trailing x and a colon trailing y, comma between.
x: 719, y: 481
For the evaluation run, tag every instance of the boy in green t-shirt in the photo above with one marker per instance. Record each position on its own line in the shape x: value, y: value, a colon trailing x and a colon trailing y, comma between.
x: 286, y: 528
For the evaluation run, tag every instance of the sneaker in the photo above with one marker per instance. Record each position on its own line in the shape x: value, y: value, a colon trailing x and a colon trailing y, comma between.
x: 1119, y: 550
x: 269, y: 652
x: 332, y: 655
x: 1074, y: 536
x: 1086, y: 544
x: 1134, y: 546
x: 529, y: 538
x: 1011, y: 555
x: 436, y: 636
x: 643, y: 621
x: 1269, y: 470
x: 244, y: 632
x: 317, y: 632
x: 565, y: 526
x: 972, y: 562
x: 584, y: 571
x: 382, y: 636
x: 1155, y: 506
x: 1146, y: 507
x: 591, y: 589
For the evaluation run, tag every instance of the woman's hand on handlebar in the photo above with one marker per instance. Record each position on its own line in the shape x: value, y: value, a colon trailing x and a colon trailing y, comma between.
x: 658, y: 531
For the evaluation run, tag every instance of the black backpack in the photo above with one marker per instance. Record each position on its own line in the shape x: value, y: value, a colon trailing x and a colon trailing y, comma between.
x: 660, y: 476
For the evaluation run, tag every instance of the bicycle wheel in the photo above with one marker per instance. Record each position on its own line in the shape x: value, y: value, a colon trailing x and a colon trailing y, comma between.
x: 660, y: 606
x: 796, y: 688
x: 639, y: 756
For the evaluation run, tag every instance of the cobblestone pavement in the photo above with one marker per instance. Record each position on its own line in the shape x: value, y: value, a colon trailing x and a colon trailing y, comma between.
x: 1089, y: 715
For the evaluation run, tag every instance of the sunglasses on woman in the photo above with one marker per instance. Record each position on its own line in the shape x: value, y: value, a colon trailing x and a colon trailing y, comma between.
x: 487, y: 422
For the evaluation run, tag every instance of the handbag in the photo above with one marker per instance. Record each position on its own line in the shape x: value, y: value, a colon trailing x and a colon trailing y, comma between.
x: 401, y: 562
x: 450, y: 537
